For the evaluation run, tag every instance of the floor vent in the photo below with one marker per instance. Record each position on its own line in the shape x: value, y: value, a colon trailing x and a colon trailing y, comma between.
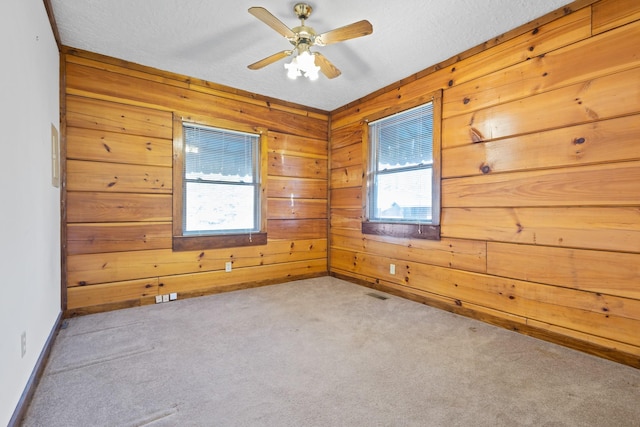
x: 382, y: 297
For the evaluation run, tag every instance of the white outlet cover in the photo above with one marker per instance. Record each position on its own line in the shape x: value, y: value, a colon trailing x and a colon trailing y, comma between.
x: 158, y: 299
x: 392, y: 269
x: 227, y: 266
x: 165, y: 298
x: 173, y: 296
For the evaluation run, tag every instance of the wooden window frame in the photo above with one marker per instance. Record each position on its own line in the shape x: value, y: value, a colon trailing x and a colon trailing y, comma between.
x: 413, y: 230
x: 199, y: 242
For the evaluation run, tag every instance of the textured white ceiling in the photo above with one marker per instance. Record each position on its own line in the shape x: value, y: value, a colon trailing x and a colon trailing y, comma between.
x: 215, y: 40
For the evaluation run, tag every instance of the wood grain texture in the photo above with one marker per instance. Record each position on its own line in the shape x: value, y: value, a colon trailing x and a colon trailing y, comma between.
x: 125, y: 134
x: 608, y: 53
x: 117, y: 207
x: 298, y: 188
x: 603, y: 228
x: 598, y: 346
x: 217, y: 279
x: 608, y: 14
x: 600, y: 272
x: 297, y: 209
x: 107, y: 85
x: 404, y: 231
x: 346, y: 198
x: 119, y: 178
x: 300, y: 228
x: 454, y: 253
x: 601, y: 98
x: 540, y: 41
x: 605, y: 141
x: 346, y: 218
x: 612, y: 184
x: 349, y: 155
x: 389, y: 102
x: 350, y: 134
x: 85, y: 296
x: 112, y: 117
x: 90, y: 238
x: 196, y: 243
x: 297, y: 146
x: 120, y: 66
x: 293, y: 166
x: 348, y: 176
x: 537, y: 41
x: 177, y: 170
x: 114, y: 147
x: 118, y: 266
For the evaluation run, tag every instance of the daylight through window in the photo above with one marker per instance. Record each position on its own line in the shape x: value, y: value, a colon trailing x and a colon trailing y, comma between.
x: 401, y: 170
x: 221, y: 181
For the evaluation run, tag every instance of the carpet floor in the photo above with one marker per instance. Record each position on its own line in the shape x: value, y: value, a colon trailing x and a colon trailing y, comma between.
x: 319, y: 352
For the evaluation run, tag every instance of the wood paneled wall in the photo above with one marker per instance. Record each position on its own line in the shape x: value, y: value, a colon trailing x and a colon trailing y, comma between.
x: 540, y: 183
x: 118, y: 194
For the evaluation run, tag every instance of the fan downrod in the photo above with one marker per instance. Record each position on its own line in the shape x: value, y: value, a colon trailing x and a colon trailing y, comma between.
x: 302, y: 10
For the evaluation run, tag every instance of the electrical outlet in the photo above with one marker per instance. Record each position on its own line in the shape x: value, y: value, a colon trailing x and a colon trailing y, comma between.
x: 165, y: 298
x: 158, y: 299
x: 227, y: 266
x: 23, y: 343
x: 392, y: 269
x: 173, y: 296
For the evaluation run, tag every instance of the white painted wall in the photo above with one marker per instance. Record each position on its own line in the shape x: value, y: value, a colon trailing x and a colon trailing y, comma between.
x: 30, y: 205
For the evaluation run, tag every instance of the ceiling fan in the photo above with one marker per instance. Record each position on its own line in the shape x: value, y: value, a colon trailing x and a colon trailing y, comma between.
x: 302, y: 38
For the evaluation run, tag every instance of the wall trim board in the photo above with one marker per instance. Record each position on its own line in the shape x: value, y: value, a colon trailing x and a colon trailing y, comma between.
x: 63, y: 183
x: 532, y: 331
x: 36, y: 374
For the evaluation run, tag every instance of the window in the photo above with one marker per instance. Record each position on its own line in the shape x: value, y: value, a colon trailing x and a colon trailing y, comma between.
x: 403, y: 186
x: 217, y: 187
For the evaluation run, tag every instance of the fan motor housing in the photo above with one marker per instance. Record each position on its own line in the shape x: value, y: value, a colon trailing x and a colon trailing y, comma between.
x: 304, y: 34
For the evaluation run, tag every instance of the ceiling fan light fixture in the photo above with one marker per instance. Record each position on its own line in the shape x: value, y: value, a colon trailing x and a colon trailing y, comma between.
x: 304, y: 64
x: 292, y: 69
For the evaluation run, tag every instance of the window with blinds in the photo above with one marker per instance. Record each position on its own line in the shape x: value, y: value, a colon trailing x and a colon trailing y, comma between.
x: 221, y: 181
x: 401, y: 167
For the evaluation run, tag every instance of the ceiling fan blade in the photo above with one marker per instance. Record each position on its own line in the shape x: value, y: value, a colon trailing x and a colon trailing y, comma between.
x: 351, y: 31
x: 265, y: 16
x: 327, y: 68
x: 270, y: 59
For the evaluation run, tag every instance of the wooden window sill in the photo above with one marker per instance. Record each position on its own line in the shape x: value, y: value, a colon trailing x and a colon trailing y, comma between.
x: 193, y: 243
x: 407, y: 231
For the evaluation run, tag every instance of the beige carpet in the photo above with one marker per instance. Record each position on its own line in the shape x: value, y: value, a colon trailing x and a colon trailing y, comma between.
x: 319, y: 352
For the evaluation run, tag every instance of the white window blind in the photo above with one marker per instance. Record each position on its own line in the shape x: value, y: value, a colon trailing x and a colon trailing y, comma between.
x: 221, y: 181
x: 401, y: 170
